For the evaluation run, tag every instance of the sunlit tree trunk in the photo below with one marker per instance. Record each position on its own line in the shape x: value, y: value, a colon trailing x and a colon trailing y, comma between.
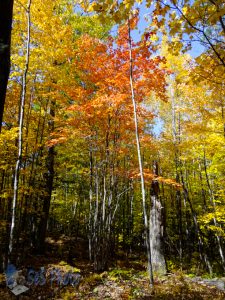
x: 176, y: 134
x: 146, y: 225
x: 20, y: 139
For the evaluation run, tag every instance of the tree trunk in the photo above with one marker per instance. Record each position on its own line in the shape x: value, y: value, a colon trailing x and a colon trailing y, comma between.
x: 146, y: 225
x: 90, y: 222
x: 202, y: 252
x: 158, y: 260
x: 48, y: 186
x: 20, y: 139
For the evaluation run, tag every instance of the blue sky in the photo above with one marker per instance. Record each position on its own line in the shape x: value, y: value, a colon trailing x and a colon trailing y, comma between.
x: 197, y: 48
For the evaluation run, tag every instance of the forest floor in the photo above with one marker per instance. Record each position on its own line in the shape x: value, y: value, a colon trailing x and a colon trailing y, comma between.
x: 127, y: 280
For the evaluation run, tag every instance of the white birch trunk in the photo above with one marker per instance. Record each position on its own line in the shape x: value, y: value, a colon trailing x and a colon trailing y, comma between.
x: 146, y: 225
x: 20, y: 139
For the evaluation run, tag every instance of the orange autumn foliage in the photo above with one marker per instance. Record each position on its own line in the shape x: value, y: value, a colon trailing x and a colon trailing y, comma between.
x: 103, y: 95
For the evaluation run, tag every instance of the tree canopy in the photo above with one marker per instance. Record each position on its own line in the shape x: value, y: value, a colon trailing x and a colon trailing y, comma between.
x: 112, y: 147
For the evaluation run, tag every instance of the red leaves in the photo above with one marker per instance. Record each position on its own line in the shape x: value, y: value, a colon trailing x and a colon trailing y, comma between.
x: 102, y: 108
x: 150, y: 176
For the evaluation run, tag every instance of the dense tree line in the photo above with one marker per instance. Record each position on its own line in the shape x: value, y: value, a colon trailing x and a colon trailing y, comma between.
x: 80, y: 154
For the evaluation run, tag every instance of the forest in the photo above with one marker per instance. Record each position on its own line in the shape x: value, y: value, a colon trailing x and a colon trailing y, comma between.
x: 112, y: 149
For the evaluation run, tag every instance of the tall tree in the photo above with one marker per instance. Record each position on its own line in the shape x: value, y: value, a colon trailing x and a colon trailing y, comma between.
x: 140, y: 162
x: 20, y: 138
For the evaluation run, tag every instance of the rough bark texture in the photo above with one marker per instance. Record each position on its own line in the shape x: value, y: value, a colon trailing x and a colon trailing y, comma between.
x: 6, y: 8
x: 158, y: 260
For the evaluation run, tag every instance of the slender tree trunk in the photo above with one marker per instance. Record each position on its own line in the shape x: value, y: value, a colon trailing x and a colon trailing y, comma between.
x: 96, y: 225
x: 176, y: 132
x: 222, y: 109
x: 20, y: 141
x: 202, y: 252
x: 90, y: 222
x: 146, y: 225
